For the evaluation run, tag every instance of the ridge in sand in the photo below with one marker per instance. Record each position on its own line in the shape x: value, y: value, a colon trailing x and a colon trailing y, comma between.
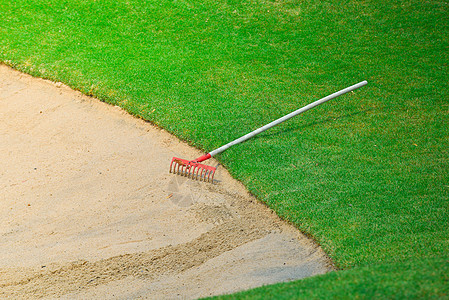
x: 88, y: 208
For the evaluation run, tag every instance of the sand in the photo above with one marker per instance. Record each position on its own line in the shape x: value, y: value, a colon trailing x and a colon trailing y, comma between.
x: 88, y: 208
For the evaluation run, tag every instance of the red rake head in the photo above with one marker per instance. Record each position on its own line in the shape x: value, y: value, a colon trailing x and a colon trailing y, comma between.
x: 192, y: 169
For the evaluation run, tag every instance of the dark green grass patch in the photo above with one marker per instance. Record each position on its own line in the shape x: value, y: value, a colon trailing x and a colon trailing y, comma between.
x: 366, y: 174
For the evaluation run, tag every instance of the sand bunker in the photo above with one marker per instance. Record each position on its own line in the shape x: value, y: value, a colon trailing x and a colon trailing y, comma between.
x: 88, y: 208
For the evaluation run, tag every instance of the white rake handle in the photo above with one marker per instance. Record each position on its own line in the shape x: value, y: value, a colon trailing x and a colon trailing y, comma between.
x: 280, y: 120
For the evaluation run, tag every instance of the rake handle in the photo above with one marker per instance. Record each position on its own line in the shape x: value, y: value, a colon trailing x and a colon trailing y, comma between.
x: 280, y: 120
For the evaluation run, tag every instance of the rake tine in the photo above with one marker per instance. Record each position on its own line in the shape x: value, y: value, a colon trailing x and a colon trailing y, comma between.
x: 172, y: 168
x: 192, y: 173
x: 208, y: 176
x: 200, y: 174
x: 204, y: 174
x: 197, y: 172
x: 183, y: 170
x: 189, y: 171
x: 213, y: 173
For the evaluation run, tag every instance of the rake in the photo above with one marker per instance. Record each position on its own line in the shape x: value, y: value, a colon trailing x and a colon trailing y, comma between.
x: 193, y: 169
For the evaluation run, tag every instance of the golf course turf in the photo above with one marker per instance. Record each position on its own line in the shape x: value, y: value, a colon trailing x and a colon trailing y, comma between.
x: 366, y: 175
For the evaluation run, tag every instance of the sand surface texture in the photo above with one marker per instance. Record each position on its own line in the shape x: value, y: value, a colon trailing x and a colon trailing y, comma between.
x: 89, y: 210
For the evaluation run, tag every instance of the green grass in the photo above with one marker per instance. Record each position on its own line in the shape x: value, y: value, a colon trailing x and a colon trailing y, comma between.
x: 366, y: 175
x: 430, y: 279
